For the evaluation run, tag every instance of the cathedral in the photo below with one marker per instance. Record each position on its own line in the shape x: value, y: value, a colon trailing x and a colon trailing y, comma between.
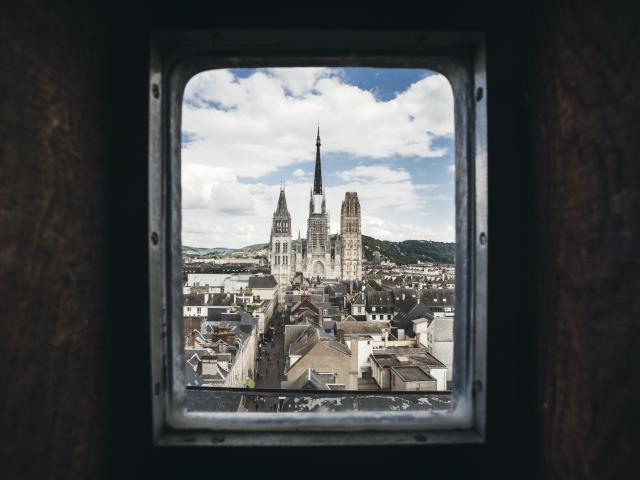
x: 321, y: 255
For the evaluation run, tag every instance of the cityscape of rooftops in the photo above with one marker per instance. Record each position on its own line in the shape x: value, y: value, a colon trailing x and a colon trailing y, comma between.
x: 318, y: 230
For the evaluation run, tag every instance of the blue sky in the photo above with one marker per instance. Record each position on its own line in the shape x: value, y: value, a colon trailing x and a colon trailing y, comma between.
x: 386, y: 134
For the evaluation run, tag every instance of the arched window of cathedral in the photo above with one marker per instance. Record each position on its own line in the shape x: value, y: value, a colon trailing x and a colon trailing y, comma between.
x: 284, y: 247
x: 277, y: 247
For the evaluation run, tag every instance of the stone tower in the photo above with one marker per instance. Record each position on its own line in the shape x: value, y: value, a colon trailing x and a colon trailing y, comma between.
x: 319, y: 261
x: 351, y: 238
x: 280, y: 243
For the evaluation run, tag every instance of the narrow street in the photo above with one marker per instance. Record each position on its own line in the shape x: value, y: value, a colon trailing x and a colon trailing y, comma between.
x: 270, y: 365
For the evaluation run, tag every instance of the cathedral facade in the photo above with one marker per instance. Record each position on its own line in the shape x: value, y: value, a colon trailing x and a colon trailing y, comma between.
x: 322, y: 255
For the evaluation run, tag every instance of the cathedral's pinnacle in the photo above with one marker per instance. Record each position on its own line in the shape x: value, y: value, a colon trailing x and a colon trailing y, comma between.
x: 282, y: 209
x: 317, y: 181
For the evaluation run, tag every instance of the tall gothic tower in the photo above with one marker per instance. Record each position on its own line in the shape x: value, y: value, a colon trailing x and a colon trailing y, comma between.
x: 280, y: 244
x: 351, y: 238
x: 318, y: 242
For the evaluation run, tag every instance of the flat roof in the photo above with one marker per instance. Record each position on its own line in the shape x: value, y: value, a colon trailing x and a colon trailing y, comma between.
x: 355, y: 328
x: 412, y: 374
x: 387, y: 359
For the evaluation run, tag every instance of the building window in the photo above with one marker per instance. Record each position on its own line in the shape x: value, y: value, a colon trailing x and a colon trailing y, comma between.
x: 174, y: 61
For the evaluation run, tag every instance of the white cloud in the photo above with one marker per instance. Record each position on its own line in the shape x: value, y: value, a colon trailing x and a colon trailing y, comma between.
x: 399, y: 231
x: 253, y: 125
x: 250, y: 127
x: 378, y: 173
x: 452, y: 168
x: 299, y: 81
x: 430, y: 102
x: 239, y: 214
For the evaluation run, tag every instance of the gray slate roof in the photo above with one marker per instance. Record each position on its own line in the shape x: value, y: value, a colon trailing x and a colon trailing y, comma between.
x: 267, y: 281
x: 438, y: 297
x: 308, y: 380
x: 360, y: 328
x: 405, y: 319
x: 379, y: 298
x: 305, y: 342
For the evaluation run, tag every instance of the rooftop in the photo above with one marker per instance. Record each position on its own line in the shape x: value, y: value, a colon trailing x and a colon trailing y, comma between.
x: 419, y: 357
x: 267, y: 281
x: 412, y: 374
x: 360, y: 328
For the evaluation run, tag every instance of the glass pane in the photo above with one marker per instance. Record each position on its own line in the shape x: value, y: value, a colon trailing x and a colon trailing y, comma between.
x: 318, y: 233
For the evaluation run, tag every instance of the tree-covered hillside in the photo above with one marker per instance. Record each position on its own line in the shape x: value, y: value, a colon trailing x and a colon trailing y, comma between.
x: 401, y: 253
x: 410, y: 251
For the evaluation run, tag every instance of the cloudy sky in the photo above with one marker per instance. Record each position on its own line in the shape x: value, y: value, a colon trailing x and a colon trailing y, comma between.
x: 386, y: 134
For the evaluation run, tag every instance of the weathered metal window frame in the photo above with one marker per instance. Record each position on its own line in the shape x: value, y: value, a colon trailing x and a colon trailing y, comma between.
x: 175, y: 56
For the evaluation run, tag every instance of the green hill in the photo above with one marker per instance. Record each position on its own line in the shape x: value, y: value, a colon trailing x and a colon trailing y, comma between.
x: 409, y: 251
x: 401, y: 253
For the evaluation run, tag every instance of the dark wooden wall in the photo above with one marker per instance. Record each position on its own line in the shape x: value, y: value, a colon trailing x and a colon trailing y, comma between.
x: 563, y: 138
x: 53, y: 162
x: 585, y: 104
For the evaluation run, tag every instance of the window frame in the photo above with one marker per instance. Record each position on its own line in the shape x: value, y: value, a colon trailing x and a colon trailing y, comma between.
x: 175, y: 56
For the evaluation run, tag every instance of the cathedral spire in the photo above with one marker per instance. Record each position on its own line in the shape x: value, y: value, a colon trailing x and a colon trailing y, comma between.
x: 282, y: 209
x: 317, y: 181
